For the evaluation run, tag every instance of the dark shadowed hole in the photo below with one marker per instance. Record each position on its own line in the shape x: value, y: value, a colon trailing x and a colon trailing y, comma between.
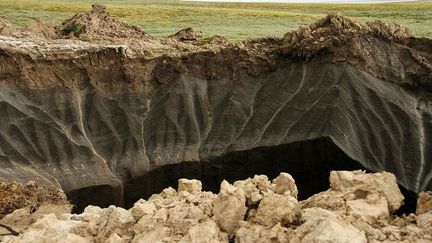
x: 101, y: 195
x: 309, y: 162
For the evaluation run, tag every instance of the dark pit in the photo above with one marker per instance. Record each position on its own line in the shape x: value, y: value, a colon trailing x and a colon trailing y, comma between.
x: 309, y: 162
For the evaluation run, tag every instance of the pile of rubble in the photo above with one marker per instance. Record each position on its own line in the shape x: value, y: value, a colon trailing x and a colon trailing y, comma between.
x: 99, y: 24
x: 358, y: 207
x: 334, y: 33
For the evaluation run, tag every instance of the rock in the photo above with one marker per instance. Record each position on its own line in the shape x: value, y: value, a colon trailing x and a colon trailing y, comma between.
x: 191, y: 186
x: 324, y: 226
x: 424, y: 202
x: 114, y: 220
x: 424, y: 220
x: 47, y: 229
x: 115, y: 238
x: 159, y: 235
x: 357, y: 194
x: 284, y: 183
x: 366, y: 209
x: 180, y: 220
x: 141, y: 208
x: 205, y: 232
x: 229, y: 207
x: 254, y: 188
x: 275, y: 208
x: 362, y: 184
x: 258, y: 233
x: 329, y: 200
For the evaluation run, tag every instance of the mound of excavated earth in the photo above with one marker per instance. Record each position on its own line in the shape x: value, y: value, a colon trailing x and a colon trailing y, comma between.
x: 114, y: 119
x: 15, y: 196
x: 357, y: 208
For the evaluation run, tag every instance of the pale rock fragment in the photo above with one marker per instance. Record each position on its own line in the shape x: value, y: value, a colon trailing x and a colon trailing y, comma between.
x: 63, y: 237
x: 253, y: 188
x: 324, y: 226
x: 275, y: 208
x: 262, y: 182
x: 229, y: 207
x: 48, y: 229
x: 162, y: 234
x: 177, y: 219
x: 368, y: 209
x: 146, y: 224
x: 284, y: 183
x: 91, y: 213
x: 250, y: 190
x: 329, y: 200
x: 141, y: 208
x: 168, y: 192
x: 360, y: 184
x: 115, y: 238
x: 191, y: 186
x: 424, y: 202
x: 90, y: 218
x: 250, y: 232
x: 205, y: 232
x: 114, y: 220
x: 424, y: 220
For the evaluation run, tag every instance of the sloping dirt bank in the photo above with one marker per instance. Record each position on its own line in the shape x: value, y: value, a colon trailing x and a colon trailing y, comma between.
x: 358, y: 207
x: 93, y: 104
x: 97, y: 35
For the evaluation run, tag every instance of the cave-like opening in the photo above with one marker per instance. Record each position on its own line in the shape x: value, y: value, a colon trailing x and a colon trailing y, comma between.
x: 309, y: 162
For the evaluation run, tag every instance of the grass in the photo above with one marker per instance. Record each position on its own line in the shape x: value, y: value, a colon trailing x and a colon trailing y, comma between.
x: 234, y: 20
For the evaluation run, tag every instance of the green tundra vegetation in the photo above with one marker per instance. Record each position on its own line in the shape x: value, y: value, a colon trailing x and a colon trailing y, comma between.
x: 236, y: 21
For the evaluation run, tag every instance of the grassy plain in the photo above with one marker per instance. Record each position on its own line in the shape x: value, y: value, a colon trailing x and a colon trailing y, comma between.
x: 234, y: 20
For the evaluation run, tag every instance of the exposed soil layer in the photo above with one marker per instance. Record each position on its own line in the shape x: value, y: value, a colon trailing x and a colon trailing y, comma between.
x: 378, y: 48
x: 15, y: 196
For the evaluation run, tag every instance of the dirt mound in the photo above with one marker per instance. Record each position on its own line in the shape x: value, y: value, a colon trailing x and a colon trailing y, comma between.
x: 187, y: 35
x: 7, y: 28
x: 40, y: 29
x: 323, y: 36
x: 357, y: 208
x: 15, y: 195
x: 337, y: 38
x: 215, y: 40
x: 98, y: 24
x: 337, y: 34
x: 392, y: 31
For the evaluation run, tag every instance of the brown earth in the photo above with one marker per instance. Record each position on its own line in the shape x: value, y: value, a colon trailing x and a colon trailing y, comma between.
x: 99, y: 24
x: 15, y: 196
x: 333, y: 39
